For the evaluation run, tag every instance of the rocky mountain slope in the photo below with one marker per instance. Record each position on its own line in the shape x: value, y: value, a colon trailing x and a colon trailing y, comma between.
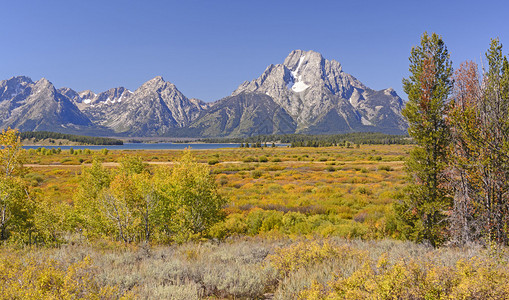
x: 304, y: 94
x: 244, y: 114
x: 30, y: 106
x: 155, y: 108
x: 321, y: 98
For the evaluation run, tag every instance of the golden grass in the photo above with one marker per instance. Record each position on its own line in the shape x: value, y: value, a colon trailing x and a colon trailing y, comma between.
x: 256, y: 268
x: 355, y: 186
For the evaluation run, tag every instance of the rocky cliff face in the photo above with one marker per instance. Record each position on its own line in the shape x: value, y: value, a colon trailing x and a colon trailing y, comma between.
x: 304, y: 94
x: 37, y: 106
x: 155, y: 108
x: 245, y: 114
x: 101, y: 107
x: 320, y: 97
x: 13, y: 93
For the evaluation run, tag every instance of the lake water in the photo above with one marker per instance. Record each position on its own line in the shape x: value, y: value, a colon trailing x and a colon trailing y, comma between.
x: 154, y: 146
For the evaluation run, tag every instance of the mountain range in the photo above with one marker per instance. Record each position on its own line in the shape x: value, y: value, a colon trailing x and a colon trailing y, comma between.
x: 304, y: 94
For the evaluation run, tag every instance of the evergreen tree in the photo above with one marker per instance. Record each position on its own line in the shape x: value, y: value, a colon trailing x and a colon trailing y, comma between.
x: 479, y: 118
x: 423, y: 213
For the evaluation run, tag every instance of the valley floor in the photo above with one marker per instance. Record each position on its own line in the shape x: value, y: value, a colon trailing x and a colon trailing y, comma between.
x: 332, y: 191
x: 308, y: 223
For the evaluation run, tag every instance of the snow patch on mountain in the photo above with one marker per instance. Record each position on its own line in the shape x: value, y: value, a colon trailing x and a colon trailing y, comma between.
x: 321, y: 98
x: 298, y: 85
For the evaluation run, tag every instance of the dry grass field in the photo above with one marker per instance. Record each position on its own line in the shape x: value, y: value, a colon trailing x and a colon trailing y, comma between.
x: 301, y: 223
x: 255, y: 268
x: 331, y: 191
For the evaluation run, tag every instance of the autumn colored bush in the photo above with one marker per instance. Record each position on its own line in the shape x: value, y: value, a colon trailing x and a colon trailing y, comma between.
x: 264, y: 266
x: 467, y: 279
x: 132, y: 204
x: 25, y: 276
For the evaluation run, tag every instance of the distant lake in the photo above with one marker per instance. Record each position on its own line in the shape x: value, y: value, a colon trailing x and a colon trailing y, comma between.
x: 149, y: 146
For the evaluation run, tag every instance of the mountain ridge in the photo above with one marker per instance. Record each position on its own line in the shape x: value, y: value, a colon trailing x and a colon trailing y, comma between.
x: 305, y: 94
x: 309, y: 87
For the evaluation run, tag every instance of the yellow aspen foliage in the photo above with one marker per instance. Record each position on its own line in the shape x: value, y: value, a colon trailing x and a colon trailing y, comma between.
x: 16, y: 207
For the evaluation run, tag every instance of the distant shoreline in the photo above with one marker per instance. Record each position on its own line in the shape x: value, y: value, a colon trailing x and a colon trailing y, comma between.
x: 68, y: 143
x: 142, y: 146
x: 46, y: 142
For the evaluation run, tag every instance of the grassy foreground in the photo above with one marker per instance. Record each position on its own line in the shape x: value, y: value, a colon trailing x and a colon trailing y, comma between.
x: 255, y: 268
x: 301, y: 223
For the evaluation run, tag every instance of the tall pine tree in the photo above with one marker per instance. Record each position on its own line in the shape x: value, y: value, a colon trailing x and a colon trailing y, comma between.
x: 479, y: 121
x: 422, y: 214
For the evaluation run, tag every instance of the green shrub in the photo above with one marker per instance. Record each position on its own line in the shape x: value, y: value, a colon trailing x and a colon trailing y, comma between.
x: 34, y: 178
x: 256, y: 174
x: 330, y: 169
x: 213, y: 161
x: 364, y: 190
x: 263, y: 159
x: 249, y: 159
x: 223, y: 180
x: 386, y: 168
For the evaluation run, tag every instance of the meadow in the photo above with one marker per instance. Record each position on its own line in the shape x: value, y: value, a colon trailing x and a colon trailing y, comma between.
x: 255, y: 268
x: 331, y: 191
x: 301, y: 223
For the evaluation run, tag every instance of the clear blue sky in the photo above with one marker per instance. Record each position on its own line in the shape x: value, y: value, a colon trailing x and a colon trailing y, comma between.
x: 207, y: 48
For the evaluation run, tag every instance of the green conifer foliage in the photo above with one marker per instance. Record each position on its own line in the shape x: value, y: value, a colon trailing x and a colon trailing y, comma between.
x: 423, y: 212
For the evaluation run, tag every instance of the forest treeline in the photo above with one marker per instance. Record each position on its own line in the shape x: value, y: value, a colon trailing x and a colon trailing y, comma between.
x: 82, y: 139
x: 459, y: 169
x: 320, y: 140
